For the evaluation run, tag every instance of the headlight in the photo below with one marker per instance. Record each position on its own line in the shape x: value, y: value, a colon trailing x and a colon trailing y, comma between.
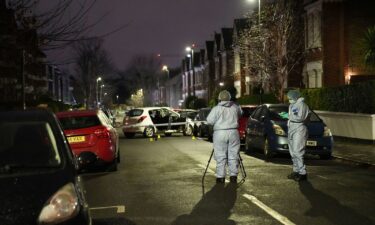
x: 62, y: 206
x: 278, y: 130
x: 327, y: 132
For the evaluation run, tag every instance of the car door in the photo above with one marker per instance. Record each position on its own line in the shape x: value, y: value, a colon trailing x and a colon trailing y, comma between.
x: 252, y: 123
x: 258, y: 126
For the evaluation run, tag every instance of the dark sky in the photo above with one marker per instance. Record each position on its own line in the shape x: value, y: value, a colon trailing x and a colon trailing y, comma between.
x: 163, y: 26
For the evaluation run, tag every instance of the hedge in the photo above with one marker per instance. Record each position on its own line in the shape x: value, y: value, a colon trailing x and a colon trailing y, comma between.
x: 255, y: 99
x: 354, y: 98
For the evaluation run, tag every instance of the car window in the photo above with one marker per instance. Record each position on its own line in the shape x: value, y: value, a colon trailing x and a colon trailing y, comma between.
x: 246, y: 111
x: 256, y: 113
x: 79, y: 122
x: 135, y: 112
x: 279, y: 113
x: 314, y: 117
x: 28, y: 145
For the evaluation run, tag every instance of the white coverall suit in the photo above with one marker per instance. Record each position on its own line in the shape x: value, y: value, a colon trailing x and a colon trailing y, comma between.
x: 226, y: 140
x: 298, y: 134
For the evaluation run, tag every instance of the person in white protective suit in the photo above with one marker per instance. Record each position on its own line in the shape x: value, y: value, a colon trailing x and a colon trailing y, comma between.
x: 226, y: 140
x: 298, y: 116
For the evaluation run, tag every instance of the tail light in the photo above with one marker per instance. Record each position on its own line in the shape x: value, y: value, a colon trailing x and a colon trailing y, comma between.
x: 63, y: 205
x: 141, y: 118
x: 102, y: 133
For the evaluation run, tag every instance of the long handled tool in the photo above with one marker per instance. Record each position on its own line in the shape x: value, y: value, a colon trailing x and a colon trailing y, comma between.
x: 208, y: 164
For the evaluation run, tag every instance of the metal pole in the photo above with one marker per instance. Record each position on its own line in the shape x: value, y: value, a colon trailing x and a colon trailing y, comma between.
x: 192, y: 67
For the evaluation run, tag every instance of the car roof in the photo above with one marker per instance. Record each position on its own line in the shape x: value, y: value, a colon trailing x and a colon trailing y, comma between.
x: 276, y: 105
x: 151, y: 108
x: 92, y: 112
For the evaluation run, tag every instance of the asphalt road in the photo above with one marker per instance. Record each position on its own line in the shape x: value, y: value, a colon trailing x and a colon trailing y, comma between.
x: 159, y: 183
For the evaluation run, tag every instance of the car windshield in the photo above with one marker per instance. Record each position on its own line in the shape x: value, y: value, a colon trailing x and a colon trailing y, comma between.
x: 27, y: 145
x: 135, y: 112
x: 79, y: 122
x: 246, y: 111
x: 279, y: 113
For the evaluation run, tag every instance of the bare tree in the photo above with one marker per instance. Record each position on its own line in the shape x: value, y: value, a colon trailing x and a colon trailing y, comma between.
x: 92, y: 61
x: 276, y: 45
x: 144, y: 73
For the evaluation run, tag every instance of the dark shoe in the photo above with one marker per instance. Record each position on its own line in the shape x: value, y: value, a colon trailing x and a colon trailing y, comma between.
x: 292, y: 175
x: 220, y: 180
x: 300, y: 177
x: 233, y: 179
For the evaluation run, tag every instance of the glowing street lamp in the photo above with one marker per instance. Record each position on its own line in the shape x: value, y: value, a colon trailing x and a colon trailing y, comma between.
x: 97, y: 89
x: 190, y: 55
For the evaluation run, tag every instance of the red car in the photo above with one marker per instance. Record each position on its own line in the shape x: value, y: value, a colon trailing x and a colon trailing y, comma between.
x: 92, y: 137
x: 246, y: 112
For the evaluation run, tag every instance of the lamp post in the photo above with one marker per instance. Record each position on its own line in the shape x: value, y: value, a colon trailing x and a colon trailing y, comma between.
x: 97, y: 90
x: 190, y: 55
x: 101, y: 93
x: 165, y: 69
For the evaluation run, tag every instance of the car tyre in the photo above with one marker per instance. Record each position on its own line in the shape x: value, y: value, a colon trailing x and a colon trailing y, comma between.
x: 268, y: 154
x: 113, y: 166
x: 248, y: 149
x: 118, y: 156
x: 129, y: 135
x: 188, y: 131
x: 149, y: 132
x: 200, y: 132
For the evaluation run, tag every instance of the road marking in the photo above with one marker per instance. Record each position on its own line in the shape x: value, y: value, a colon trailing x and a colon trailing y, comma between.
x: 282, y: 219
x: 325, y: 178
x: 120, y: 208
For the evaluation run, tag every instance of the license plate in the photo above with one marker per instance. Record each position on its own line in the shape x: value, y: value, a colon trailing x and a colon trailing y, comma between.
x: 76, y: 139
x: 311, y: 143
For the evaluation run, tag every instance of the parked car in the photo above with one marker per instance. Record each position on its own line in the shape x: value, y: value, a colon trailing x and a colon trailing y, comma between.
x: 267, y: 129
x: 39, y: 183
x: 92, y: 137
x: 151, y: 120
x: 189, y: 114
x: 242, y: 121
x: 201, y: 128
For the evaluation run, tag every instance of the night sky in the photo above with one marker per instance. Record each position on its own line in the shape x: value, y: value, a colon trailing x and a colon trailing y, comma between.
x: 162, y: 26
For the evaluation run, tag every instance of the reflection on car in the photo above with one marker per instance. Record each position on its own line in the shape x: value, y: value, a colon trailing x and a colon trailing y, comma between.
x: 92, y: 137
x: 38, y: 178
x: 189, y: 114
x: 247, y: 110
x: 267, y: 129
x: 151, y: 120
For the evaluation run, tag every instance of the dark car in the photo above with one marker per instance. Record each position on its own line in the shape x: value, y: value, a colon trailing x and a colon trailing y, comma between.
x: 267, y: 129
x: 38, y: 178
x: 201, y: 127
x: 247, y: 110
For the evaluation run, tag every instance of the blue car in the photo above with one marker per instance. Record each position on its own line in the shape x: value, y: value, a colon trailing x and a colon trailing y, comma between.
x: 267, y: 130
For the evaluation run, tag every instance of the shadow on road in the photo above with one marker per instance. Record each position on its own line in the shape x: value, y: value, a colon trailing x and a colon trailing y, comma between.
x: 323, y: 205
x: 113, y: 221
x: 214, y: 208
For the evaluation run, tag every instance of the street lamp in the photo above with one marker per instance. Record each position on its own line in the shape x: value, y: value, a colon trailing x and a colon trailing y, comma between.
x: 165, y: 69
x: 97, y: 90
x: 258, y: 9
x: 101, y: 92
x: 190, y: 55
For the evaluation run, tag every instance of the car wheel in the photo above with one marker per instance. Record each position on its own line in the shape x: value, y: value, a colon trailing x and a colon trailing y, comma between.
x: 200, y: 132
x: 113, y: 166
x: 188, y: 130
x: 118, y: 155
x: 267, y: 149
x: 325, y: 156
x: 248, y: 149
x: 129, y: 135
x: 168, y: 134
x: 149, y: 132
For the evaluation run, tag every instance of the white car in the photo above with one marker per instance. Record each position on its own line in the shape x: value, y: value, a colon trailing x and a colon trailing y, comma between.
x: 151, y: 120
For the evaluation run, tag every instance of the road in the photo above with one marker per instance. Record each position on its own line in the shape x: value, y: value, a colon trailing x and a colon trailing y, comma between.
x: 159, y: 183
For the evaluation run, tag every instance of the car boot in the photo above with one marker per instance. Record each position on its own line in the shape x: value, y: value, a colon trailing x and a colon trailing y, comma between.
x: 300, y: 177
x: 292, y: 175
x: 220, y: 180
x: 233, y: 179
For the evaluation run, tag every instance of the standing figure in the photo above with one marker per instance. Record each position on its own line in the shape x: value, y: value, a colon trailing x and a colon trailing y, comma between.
x: 226, y: 139
x: 298, y: 115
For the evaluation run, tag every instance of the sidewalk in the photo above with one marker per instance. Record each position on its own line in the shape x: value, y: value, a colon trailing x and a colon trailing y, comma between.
x: 354, y: 151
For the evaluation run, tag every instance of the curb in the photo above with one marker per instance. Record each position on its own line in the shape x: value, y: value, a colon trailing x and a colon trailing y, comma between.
x: 357, y: 162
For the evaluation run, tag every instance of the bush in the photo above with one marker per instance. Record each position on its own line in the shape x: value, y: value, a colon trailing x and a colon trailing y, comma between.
x: 354, y: 98
x: 255, y: 99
